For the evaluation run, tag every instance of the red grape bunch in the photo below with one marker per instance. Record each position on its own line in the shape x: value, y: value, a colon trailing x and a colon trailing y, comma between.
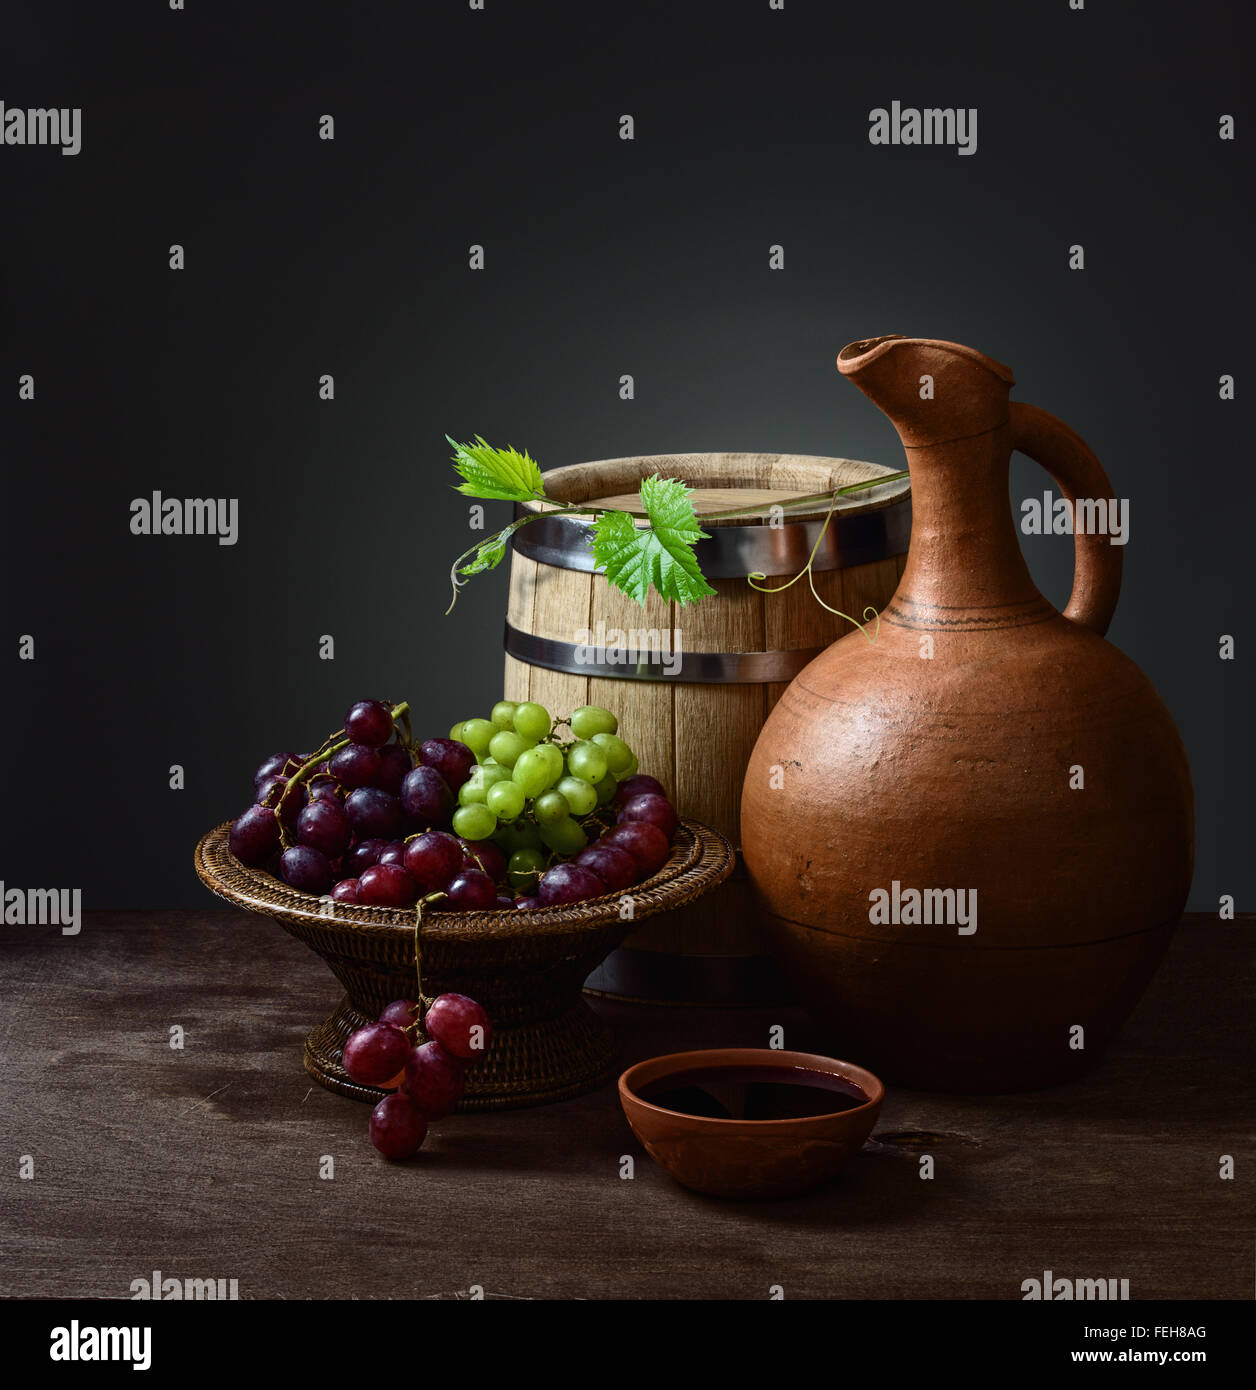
x: 425, y: 1080
x: 507, y: 812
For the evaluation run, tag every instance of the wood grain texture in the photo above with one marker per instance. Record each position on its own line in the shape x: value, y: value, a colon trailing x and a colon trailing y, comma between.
x: 204, y: 1162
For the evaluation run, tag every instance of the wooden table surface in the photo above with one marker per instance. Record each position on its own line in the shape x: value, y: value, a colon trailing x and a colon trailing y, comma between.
x: 205, y: 1162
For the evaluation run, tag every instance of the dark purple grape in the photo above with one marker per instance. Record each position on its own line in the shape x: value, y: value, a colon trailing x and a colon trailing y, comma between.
x: 400, y: 1013
x: 306, y: 869
x: 375, y: 1054
x: 387, y: 885
x: 356, y: 766
x: 504, y: 900
x: 472, y: 891
x: 569, y: 883
x: 645, y: 842
x: 254, y: 836
x: 324, y: 825
x: 276, y: 791
x: 394, y: 852
x: 485, y: 856
x: 394, y: 762
x: 434, y: 858
x: 425, y: 795
x: 653, y: 810
x: 364, y: 854
x: 637, y: 785
x: 277, y: 765
x: 527, y: 903
x: 324, y: 787
x: 434, y: 1080
x: 373, y: 812
x: 369, y: 722
x: 453, y: 761
x: 398, y: 1127
x: 614, y: 866
x: 346, y: 891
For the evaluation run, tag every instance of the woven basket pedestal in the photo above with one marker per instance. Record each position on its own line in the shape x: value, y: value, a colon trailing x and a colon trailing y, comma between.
x: 526, y: 968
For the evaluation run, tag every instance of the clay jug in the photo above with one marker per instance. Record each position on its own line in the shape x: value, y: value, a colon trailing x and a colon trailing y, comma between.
x: 984, y: 743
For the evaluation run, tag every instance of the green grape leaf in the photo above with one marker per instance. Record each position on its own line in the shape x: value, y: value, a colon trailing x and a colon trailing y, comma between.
x: 660, y: 557
x: 489, y: 555
x: 503, y: 475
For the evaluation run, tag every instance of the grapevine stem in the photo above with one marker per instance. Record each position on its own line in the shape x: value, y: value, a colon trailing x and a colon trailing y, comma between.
x: 499, y: 538
x: 811, y: 581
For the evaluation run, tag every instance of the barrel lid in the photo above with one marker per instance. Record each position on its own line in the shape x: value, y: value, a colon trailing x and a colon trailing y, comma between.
x: 724, y: 481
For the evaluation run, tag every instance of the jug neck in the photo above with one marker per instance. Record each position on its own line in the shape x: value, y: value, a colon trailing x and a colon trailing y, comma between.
x: 949, y: 404
x: 964, y: 566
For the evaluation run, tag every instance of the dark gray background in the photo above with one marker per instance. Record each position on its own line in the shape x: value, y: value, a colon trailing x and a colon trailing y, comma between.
x: 603, y: 257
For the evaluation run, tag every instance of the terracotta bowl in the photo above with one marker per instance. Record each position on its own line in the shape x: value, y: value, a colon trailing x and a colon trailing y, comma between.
x: 748, y: 1158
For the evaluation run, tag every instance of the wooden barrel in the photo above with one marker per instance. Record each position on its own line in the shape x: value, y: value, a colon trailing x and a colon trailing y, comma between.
x: 692, y: 702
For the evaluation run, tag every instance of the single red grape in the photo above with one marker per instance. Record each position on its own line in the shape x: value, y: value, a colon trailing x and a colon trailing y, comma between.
x: 645, y: 842
x: 528, y: 903
x: 254, y: 836
x: 324, y: 787
x: 387, y: 885
x: 400, y: 1013
x: 485, y: 856
x: 356, y: 766
x: 369, y: 722
x: 394, y: 763
x: 364, y: 854
x: 459, y: 1025
x: 425, y: 795
x: 277, y: 765
x: 472, y: 891
x: 324, y: 825
x: 569, y: 883
x: 453, y: 761
x: 398, y: 1126
x: 375, y: 1053
x: 276, y: 791
x: 614, y: 866
x: 653, y: 810
x: 305, y: 869
x: 373, y: 812
x: 433, y: 858
x: 434, y: 1079
x: 346, y: 891
x: 637, y: 785
x: 394, y: 852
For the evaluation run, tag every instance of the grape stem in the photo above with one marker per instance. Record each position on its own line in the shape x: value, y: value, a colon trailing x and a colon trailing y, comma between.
x: 423, y: 1000
x: 868, y: 614
x: 332, y: 745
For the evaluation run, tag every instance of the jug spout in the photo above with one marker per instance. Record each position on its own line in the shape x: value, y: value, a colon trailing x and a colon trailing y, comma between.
x: 932, y: 391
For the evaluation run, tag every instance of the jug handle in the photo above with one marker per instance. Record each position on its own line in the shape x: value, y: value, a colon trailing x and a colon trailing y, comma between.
x: 1077, y: 473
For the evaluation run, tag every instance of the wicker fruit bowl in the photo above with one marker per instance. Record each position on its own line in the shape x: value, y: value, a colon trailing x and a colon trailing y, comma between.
x: 526, y: 968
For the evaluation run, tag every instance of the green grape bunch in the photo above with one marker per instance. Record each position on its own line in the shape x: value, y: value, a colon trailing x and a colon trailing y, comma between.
x: 539, y: 783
